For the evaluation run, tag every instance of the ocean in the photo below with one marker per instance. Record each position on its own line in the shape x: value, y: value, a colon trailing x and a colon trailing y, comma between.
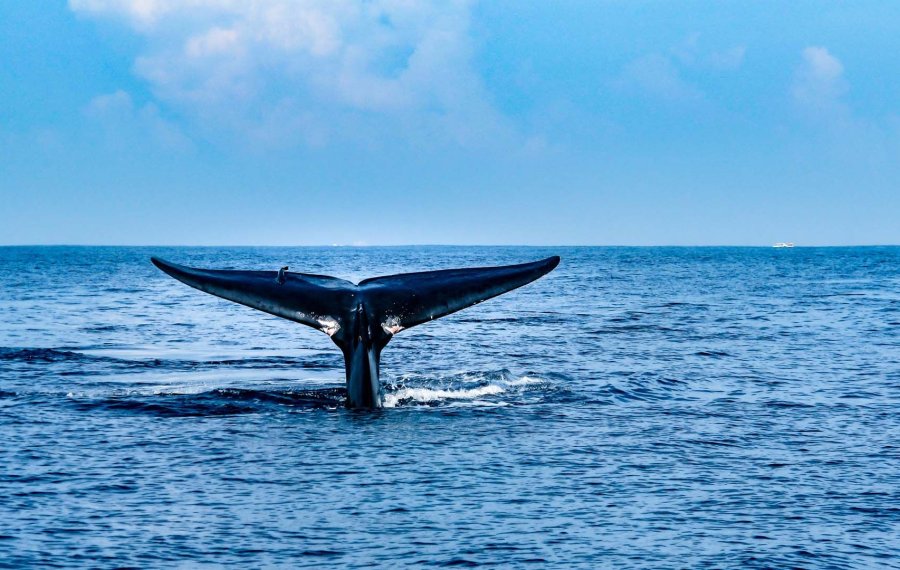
x: 637, y: 408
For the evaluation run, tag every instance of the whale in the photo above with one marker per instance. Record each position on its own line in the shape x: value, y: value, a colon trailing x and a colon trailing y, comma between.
x: 360, y: 318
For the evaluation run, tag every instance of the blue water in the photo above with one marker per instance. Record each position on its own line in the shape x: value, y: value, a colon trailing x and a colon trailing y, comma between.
x: 637, y: 408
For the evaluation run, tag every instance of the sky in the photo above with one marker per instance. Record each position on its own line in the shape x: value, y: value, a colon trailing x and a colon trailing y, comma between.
x: 318, y: 122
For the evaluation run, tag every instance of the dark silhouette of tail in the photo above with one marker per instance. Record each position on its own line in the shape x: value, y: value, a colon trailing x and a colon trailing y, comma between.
x: 360, y: 318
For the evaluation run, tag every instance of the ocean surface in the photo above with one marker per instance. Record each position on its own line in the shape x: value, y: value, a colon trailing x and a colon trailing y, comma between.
x: 636, y: 408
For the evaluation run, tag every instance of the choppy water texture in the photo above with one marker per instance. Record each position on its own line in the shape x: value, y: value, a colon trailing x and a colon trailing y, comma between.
x: 639, y: 407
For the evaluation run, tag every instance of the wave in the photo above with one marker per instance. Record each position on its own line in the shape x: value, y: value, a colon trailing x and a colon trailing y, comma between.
x: 489, y: 389
x: 158, y: 389
x: 82, y: 355
x: 40, y: 355
x: 216, y: 402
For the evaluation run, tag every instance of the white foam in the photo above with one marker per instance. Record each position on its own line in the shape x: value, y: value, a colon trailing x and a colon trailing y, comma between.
x: 525, y: 381
x: 478, y: 404
x: 425, y: 395
x: 181, y: 390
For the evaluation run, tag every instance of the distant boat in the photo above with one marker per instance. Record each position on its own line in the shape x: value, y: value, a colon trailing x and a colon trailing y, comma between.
x: 784, y: 244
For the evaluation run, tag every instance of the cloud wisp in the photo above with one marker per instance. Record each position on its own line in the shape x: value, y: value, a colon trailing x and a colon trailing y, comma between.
x: 117, y: 114
x: 662, y: 75
x: 656, y: 75
x: 819, y: 83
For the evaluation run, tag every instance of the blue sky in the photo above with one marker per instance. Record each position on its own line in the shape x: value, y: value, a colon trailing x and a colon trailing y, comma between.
x: 398, y: 122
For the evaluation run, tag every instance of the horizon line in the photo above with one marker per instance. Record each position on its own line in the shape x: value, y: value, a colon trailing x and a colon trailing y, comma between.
x: 366, y: 245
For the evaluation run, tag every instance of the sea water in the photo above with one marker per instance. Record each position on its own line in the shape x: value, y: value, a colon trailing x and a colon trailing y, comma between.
x: 636, y: 408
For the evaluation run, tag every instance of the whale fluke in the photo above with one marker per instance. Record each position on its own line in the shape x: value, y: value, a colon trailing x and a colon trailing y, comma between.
x: 312, y: 300
x: 409, y: 299
x: 360, y: 318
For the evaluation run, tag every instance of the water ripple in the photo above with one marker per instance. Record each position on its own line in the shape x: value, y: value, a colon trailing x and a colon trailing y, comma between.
x: 637, y: 408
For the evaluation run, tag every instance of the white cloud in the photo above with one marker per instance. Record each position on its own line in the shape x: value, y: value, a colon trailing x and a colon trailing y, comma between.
x: 728, y: 59
x: 140, y: 12
x: 840, y: 135
x: 217, y: 41
x: 309, y: 64
x: 819, y: 83
x: 690, y: 54
x: 117, y: 103
x: 124, y: 121
x: 662, y: 75
x: 657, y: 75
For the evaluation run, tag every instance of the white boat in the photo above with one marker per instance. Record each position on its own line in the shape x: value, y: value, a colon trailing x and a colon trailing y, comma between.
x: 784, y: 244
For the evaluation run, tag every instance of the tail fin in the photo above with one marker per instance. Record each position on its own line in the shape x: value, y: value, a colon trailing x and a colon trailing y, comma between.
x: 345, y: 311
x: 395, y: 302
x: 403, y: 301
x: 314, y: 300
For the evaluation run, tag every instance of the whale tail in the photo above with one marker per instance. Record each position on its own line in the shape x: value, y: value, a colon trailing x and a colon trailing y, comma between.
x: 360, y: 318
x: 393, y: 303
